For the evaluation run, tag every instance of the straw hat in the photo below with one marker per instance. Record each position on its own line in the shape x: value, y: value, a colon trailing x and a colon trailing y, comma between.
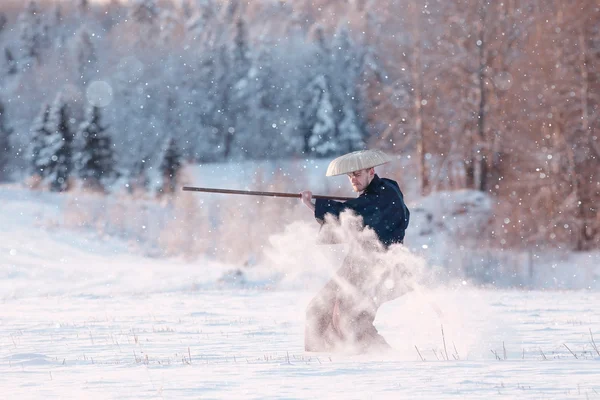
x: 356, y: 161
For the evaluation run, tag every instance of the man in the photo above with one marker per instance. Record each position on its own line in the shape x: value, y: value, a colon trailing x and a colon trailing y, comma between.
x: 341, y: 315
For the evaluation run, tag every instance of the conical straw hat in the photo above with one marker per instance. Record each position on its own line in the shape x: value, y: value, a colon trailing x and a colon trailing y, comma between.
x: 356, y: 161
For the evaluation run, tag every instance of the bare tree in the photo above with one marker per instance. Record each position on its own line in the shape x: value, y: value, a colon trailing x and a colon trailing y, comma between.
x: 573, y: 121
x: 482, y: 42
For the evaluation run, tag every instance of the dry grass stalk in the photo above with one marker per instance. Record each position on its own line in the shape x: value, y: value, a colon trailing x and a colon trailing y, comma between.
x: 455, y: 351
x: 594, y: 343
x: 496, y: 355
x: 422, y: 359
x: 574, y: 355
x: 444, y: 340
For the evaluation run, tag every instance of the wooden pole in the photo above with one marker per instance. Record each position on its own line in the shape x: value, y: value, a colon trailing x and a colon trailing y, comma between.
x: 258, y: 193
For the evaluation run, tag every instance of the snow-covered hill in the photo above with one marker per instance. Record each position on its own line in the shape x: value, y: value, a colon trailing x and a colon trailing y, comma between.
x: 85, y: 243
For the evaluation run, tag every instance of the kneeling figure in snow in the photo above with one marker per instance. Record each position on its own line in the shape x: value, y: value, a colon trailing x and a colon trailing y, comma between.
x: 341, y: 315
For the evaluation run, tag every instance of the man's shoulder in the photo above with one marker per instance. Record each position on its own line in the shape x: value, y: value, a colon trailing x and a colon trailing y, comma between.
x: 386, y: 182
x: 389, y: 181
x: 393, y: 185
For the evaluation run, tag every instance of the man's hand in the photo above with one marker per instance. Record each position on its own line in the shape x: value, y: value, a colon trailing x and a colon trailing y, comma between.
x: 307, y: 199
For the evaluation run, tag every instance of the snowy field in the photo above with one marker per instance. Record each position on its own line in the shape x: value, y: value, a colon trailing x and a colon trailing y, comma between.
x: 248, y: 344
x: 85, y: 317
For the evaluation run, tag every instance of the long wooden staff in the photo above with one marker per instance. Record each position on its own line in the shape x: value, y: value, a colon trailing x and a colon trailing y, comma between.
x: 256, y: 193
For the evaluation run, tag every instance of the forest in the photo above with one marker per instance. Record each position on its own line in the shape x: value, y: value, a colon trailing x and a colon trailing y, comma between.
x: 497, y: 97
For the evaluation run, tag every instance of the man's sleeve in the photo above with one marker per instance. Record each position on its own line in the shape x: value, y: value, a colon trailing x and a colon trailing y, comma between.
x: 360, y: 205
x: 332, y: 207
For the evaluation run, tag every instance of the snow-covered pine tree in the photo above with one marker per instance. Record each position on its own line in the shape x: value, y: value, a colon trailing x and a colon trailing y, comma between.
x: 83, y: 6
x: 3, y: 21
x: 32, y: 37
x: 5, y: 132
x: 94, y: 160
x: 187, y: 9
x: 40, y: 132
x: 57, y: 152
x: 267, y: 108
x: 138, y: 180
x: 317, y: 118
x: 331, y: 121
x: 85, y: 56
x: 215, y: 104
x: 230, y: 9
x: 112, y: 13
x: 239, y: 94
x: 144, y: 11
x: 11, y: 63
x: 170, y: 166
x: 347, y: 60
x: 351, y: 137
x: 146, y: 14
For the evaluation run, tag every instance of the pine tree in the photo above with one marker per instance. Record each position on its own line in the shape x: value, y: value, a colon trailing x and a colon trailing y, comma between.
x: 144, y: 11
x: 170, y: 166
x: 32, y: 35
x: 240, y: 48
x: 83, y: 6
x: 347, y: 60
x: 217, y: 103
x: 11, y: 64
x: 3, y: 21
x: 85, y: 56
x: 40, y: 132
x: 146, y: 14
x: 317, y: 119
x: 57, y: 153
x: 4, y: 142
x: 268, y: 109
x: 351, y: 137
x: 331, y: 120
x: 94, y: 160
x: 238, y: 92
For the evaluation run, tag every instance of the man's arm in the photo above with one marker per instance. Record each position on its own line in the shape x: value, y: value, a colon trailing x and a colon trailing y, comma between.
x: 359, y: 205
x: 307, y: 199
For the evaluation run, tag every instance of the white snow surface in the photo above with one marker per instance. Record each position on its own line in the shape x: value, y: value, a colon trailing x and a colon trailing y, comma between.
x: 86, y: 316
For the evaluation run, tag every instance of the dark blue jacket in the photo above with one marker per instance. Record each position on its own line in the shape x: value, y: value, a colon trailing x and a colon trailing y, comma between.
x: 381, y: 205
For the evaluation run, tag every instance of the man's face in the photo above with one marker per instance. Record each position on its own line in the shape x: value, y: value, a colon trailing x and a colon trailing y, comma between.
x: 361, y: 179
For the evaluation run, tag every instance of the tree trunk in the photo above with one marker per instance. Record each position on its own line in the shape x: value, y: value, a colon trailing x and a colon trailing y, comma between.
x: 417, y: 78
x: 470, y: 168
x: 585, y: 163
x: 482, y: 148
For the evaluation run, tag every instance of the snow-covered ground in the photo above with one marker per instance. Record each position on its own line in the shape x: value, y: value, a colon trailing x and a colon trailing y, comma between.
x: 88, y: 315
x: 248, y: 344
